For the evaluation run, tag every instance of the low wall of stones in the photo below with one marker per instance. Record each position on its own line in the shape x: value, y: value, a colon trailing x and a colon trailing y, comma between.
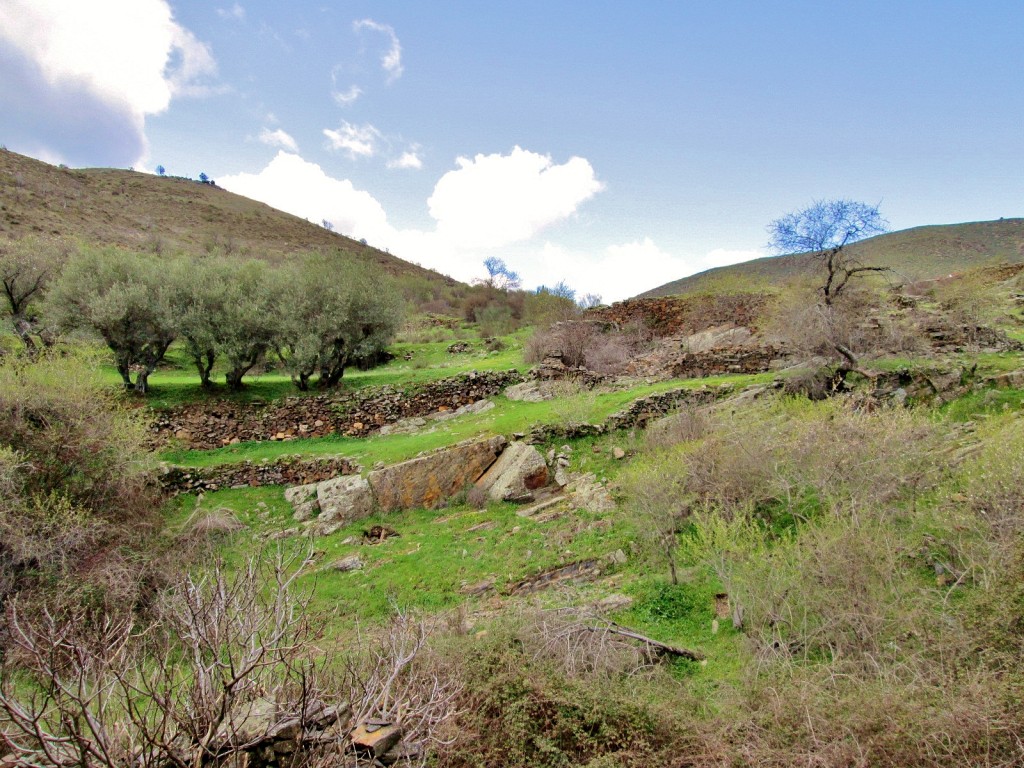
x: 720, y: 362
x: 202, y: 426
x: 284, y: 471
x: 637, y: 415
x: 673, y: 314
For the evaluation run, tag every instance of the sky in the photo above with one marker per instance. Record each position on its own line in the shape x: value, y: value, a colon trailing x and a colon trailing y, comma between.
x: 614, y: 146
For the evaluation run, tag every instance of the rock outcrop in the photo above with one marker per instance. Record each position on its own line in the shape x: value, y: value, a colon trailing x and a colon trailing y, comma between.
x: 518, y: 472
x: 428, y: 480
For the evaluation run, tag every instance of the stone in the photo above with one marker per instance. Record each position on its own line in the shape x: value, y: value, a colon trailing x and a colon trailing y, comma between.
x: 519, y: 470
x: 618, y: 557
x: 617, y: 453
x: 527, y: 392
x: 562, y: 477
x: 375, y: 737
x: 428, y: 480
x: 344, y: 499
x: 591, y: 495
x: 303, y: 499
x: 345, y: 564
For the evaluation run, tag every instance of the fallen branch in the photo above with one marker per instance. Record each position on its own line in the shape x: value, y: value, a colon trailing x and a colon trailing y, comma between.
x: 662, y: 649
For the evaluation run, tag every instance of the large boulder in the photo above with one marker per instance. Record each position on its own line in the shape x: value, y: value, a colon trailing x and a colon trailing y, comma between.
x: 344, y: 499
x: 303, y: 499
x: 427, y: 481
x: 519, y: 470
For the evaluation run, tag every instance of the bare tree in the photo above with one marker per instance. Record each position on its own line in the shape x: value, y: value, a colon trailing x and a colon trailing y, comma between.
x: 825, y: 228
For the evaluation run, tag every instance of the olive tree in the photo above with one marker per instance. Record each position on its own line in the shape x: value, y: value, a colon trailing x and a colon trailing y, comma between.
x: 335, y: 314
x: 124, y: 297
x: 27, y: 267
x: 244, y: 321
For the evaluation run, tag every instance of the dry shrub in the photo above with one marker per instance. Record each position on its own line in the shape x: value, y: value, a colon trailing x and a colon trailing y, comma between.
x: 476, y: 497
x: 683, y: 427
x: 790, y: 451
x: 860, y: 319
x: 76, y: 485
x: 582, y: 343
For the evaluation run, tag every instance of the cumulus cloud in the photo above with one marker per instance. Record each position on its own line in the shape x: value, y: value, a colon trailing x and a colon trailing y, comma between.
x: 494, y: 200
x: 114, y: 62
x: 391, y: 60
x: 302, y: 188
x: 408, y: 160
x: 278, y: 138
x: 356, y: 140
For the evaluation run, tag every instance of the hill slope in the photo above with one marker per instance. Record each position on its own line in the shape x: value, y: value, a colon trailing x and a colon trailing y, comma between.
x: 109, y: 206
x: 921, y: 253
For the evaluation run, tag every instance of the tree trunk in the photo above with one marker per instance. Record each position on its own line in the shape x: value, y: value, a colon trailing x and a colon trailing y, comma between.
x: 23, y: 328
x: 204, y: 365
x: 233, y: 378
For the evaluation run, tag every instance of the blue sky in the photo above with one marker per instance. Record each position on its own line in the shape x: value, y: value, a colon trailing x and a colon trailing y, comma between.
x: 613, y: 145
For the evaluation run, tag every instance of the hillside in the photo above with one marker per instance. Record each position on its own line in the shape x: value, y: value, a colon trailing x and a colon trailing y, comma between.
x: 920, y: 253
x: 110, y: 206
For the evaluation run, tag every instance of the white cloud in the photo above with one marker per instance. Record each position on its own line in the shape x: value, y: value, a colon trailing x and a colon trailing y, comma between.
x: 113, y: 62
x: 235, y: 13
x: 303, y: 189
x: 391, y: 60
x: 408, y: 160
x: 278, y: 138
x: 494, y: 200
x: 345, y: 98
x: 357, y: 140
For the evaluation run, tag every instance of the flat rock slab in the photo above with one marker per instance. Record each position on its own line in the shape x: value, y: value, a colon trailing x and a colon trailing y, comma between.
x: 429, y: 480
x: 344, y: 499
x: 519, y: 470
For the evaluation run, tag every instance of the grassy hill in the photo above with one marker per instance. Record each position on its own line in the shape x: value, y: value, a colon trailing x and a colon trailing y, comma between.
x: 920, y: 253
x: 110, y: 206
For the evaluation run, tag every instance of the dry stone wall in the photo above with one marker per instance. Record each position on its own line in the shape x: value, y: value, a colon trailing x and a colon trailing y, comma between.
x: 284, y: 471
x: 202, y: 426
x: 672, y: 314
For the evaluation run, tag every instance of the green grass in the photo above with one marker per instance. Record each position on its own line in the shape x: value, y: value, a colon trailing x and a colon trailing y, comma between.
x: 508, y: 417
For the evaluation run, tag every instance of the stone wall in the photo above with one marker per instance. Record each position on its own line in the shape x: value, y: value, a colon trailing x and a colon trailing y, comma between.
x: 202, y: 426
x: 719, y: 362
x: 673, y: 314
x: 284, y: 471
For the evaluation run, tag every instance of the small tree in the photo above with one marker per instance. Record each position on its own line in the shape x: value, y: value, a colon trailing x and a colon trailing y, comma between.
x: 126, y: 299
x: 825, y: 228
x: 26, y: 268
x: 160, y: 170
x: 499, y: 275
x: 247, y: 324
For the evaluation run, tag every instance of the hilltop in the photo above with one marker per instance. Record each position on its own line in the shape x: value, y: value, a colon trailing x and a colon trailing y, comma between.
x: 919, y: 253
x: 143, y: 212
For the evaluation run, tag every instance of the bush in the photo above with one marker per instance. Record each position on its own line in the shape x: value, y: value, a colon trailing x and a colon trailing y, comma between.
x: 75, y: 479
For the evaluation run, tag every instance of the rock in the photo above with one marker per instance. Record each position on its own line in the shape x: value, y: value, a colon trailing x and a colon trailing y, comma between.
x: 344, y: 499
x: 589, y: 494
x: 528, y: 392
x: 428, y: 480
x: 303, y: 499
x: 617, y: 453
x: 1008, y: 380
x: 618, y: 557
x: 519, y: 470
x: 540, y: 506
x: 562, y: 477
x: 481, y: 587
x: 375, y: 737
x: 345, y: 564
